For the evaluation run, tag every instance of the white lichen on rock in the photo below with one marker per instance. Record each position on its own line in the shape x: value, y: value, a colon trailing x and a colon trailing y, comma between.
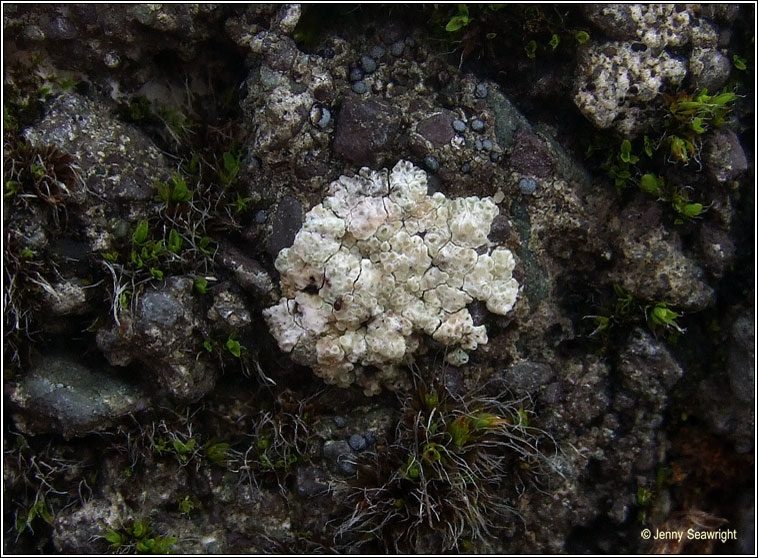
x: 378, y: 264
x: 615, y: 83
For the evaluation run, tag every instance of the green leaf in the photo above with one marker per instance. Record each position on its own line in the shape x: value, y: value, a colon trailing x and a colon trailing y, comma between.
x: 162, y: 545
x: 180, y: 192
x: 184, y: 448
x: 650, y: 183
x: 140, y: 528
x: 648, y: 146
x: 739, y: 62
x: 554, y: 41
x: 697, y: 125
x: 145, y: 546
x: 626, y: 152
x: 164, y: 191
x: 234, y: 347
x: 723, y: 98
x: 217, y: 453
x: 456, y: 23
x: 201, y: 285
x: 692, y: 210
x: 140, y: 234
x: 208, y: 345
x: 11, y: 188
x: 115, y: 538
x: 156, y: 273
x: 174, y: 241
x: 531, y: 49
x: 582, y: 37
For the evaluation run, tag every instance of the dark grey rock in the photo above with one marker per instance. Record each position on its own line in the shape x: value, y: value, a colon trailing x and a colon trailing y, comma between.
x: 494, y: 156
x: 340, y: 458
x: 357, y: 442
x: 465, y: 168
x: 229, y: 309
x: 288, y: 219
x: 359, y: 87
x: 481, y: 91
x: 366, y: 131
x: 61, y: 28
x: 437, y: 129
x: 249, y: 273
x: 487, y: 145
x: 742, y: 357
x: 397, y: 48
x: 709, y: 69
x: 528, y: 186
x: 724, y: 157
x: 717, y: 248
x: 160, y: 308
x: 526, y: 377
x: 477, y: 125
x: 309, y: 482
x: 61, y: 395
x: 163, y: 335
x: 117, y: 162
x: 651, y: 263
x: 340, y: 422
x: 530, y: 155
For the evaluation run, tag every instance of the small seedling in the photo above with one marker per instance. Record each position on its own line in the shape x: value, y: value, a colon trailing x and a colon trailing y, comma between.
x: 201, y: 285
x: 531, y: 49
x: 234, y: 347
x: 459, y: 21
x: 175, y: 192
x: 662, y: 316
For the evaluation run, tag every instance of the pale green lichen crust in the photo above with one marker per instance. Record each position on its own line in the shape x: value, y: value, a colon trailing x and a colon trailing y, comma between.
x: 378, y: 264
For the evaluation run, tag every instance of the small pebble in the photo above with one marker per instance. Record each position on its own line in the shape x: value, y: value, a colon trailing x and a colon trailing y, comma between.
x: 357, y: 442
x: 347, y: 467
x: 465, y: 168
x: 368, y: 64
x: 410, y: 41
x: 397, y: 48
x: 478, y: 145
x: 260, y: 217
x: 494, y: 156
x: 459, y: 125
x: 481, y: 91
x: 431, y: 163
x: 326, y: 116
x: 528, y: 186
x: 369, y: 437
x: 477, y: 125
x: 340, y: 422
x: 356, y: 74
x: 360, y: 87
x: 376, y: 52
x: 487, y: 145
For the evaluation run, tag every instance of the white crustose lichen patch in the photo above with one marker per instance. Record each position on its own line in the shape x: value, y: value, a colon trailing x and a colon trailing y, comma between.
x: 378, y: 264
